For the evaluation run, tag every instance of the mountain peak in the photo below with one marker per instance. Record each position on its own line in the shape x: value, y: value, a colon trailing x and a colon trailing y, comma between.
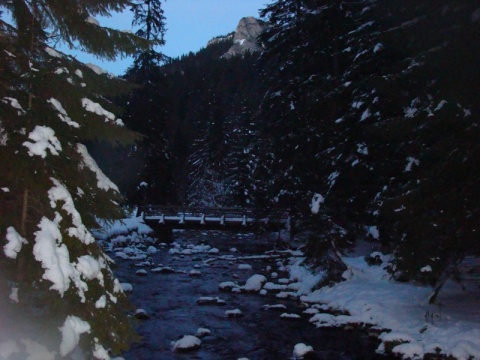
x: 245, y: 38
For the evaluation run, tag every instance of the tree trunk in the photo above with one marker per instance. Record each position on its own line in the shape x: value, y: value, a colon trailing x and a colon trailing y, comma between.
x: 23, y: 224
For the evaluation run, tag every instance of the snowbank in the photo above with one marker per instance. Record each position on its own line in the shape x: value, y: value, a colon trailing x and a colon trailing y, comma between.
x: 411, y: 327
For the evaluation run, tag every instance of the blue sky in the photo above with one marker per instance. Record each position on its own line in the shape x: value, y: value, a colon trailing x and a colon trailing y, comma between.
x: 190, y: 25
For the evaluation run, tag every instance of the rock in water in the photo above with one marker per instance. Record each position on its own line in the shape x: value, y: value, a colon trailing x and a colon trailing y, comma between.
x: 234, y: 313
x: 187, y: 343
x: 302, y: 351
x: 141, y: 314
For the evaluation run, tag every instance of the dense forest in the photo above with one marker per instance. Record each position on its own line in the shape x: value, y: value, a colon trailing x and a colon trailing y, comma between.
x: 361, y: 117
x: 368, y: 107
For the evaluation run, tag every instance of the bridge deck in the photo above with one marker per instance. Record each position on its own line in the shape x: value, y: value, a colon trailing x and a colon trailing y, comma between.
x: 176, y: 217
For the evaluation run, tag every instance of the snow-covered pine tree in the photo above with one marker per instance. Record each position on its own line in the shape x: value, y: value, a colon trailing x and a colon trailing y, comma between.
x: 58, y: 295
x: 393, y: 120
x: 305, y: 66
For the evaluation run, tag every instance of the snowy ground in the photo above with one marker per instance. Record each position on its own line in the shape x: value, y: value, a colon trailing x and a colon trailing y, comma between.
x: 412, y: 326
x: 399, y: 312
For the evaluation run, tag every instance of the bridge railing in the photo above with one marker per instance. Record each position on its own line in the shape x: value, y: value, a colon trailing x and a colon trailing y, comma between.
x: 252, y: 215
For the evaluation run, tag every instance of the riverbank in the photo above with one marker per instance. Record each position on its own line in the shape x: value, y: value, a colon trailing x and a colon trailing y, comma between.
x: 398, y: 312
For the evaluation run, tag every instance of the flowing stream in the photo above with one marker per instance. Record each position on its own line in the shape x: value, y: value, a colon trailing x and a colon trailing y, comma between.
x: 170, y: 300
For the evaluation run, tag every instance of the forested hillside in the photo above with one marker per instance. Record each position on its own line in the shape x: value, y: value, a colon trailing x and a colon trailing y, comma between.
x: 369, y: 108
x: 361, y: 117
x: 196, y: 113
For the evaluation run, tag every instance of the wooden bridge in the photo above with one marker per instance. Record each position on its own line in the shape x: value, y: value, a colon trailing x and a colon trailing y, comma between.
x: 236, y: 219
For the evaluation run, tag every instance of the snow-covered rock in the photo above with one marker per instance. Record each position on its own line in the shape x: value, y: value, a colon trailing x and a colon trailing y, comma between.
x: 290, y: 316
x: 234, y: 313
x: 227, y: 286
x: 126, y: 287
x: 187, y: 343
x: 300, y: 350
x: 202, y: 332
x: 207, y: 300
x: 244, y: 267
x: 195, y: 273
x: 255, y: 283
x: 141, y: 314
x: 141, y: 272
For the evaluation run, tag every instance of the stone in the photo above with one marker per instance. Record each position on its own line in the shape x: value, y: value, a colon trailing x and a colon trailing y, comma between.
x: 245, y: 38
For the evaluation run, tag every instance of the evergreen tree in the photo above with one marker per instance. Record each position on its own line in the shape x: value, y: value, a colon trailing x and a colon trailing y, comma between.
x: 145, y: 112
x: 149, y: 16
x: 391, y: 136
x: 56, y: 286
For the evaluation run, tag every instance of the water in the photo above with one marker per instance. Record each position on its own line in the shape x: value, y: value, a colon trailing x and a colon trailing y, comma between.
x: 170, y: 301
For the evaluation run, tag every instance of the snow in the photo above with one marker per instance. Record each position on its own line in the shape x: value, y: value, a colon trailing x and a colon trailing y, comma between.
x: 89, y: 268
x: 60, y: 71
x: 227, y: 285
x: 300, y: 350
x: 100, y: 352
x: 202, y: 332
x: 370, y: 297
x: 3, y: 140
x: 53, y: 255
x: 36, y: 351
x: 373, y: 232
x: 62, y: 113
x: 101, y: 303
x: 60, y: 193
x: 290, y: 316
x: 440, y: 105
x: 96, y: 69
x: 366, y: 114
x: 14, y: 244
x: 274, y: 287
x: 307, y: 279
x: 8, y: 348
x: 195, y: 273
x: 97, y: 109
x: 71, y: 330
x: 92, y: 20
x: 332, y: 178
x: 315, y: 204
x: 233, y: 313
x: 244, y: 267
x: 377, y: 48
x: 44, y: 138
x: 53, y: 53
x: 9, y: 53
x: 186, y: 342
x: 126, y: 287
x: 15, y: 104
x: 426, y: 268
x: 103, y: 182
x: 131, y: 224
x: 362, y: 149
x: 411, y: 161
x: 14, y: 295
x: 255, y: 282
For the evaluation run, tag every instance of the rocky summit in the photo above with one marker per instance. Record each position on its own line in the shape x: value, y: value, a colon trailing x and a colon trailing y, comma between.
x: 246, y: 35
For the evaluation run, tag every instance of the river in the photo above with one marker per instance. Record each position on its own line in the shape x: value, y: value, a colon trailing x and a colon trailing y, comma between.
x: 170, y: 300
